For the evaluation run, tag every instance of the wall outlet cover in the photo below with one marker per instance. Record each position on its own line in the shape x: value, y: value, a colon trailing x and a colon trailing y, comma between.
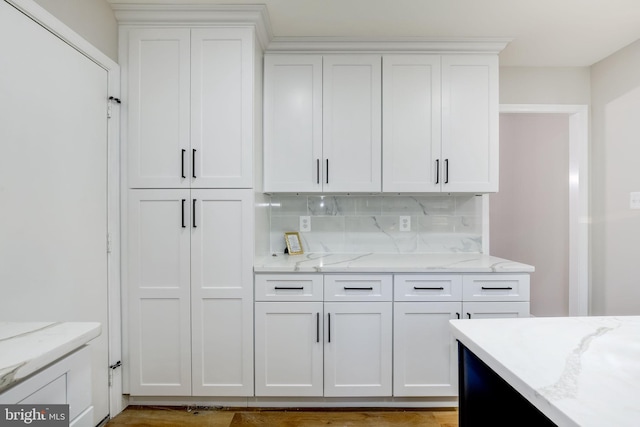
x: 405, y: 223
x: 634, y: 200
x: 305, y: 223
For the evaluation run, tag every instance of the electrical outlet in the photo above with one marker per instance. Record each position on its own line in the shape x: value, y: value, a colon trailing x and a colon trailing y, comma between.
x: 405, y: 223
x: 634, y: 200
x: 305, y: 223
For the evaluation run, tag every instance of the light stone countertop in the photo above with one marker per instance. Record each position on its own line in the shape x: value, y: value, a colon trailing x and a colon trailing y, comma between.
x: 578, y: 371
x: 26, y: 347
x: 388, y: 263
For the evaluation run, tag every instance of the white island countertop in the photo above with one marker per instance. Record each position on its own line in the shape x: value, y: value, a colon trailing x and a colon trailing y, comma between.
x: 578, y: 371
x: 388, y: 263
x: 26, y: 347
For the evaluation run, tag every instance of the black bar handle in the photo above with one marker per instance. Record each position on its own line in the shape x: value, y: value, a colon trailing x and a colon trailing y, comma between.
x: 194, y: 214
x: 458, y: 315
x: 329, y: 329
x: 506, y: 288
x: 317, y: 327
x: 417, y: 288
x: 346, y: 288
x: 469, y: 315
x: 193, y: 163
x: 327, y: 171
x: 317, y: 171
x: 182, y: 163
x: 446, y: 171
x: 183, y: 202
x: 437, y: 171
x: 289, y: 287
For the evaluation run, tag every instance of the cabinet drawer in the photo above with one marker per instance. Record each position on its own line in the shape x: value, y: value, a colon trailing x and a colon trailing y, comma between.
x: 427, y: 287
x: 496, y: 287
x: 288, y: 287
x: 358, y: 287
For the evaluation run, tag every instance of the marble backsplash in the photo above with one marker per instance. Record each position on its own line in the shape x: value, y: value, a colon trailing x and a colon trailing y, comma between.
x: 357, y: 224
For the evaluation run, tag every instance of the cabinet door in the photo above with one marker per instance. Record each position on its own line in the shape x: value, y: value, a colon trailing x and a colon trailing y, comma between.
x: 222, y: 292
x: 411, y: 123
x: 495, y: 310
x: 470, y: 123
x: 158, y: 108
x: 424, y: 351
x: 158, y: 288
x: 358, y: 349
x: 292, y: 123
x: 351, y: 136
x: 221, y: 108
x: 289, y: 339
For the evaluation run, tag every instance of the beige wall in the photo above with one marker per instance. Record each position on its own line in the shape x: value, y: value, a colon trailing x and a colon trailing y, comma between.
x: 539, y: 85
x: 615, y: 166
x: 92, y: 19
x: 529, y: 216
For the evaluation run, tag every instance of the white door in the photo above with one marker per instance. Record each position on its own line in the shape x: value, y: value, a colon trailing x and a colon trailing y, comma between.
x: 469, y: 123
x: 358, y: 349
x: 222, y: 292
x: 411, y: 123
x: 352, y: 86
x: 53, y: 186
x: 158, y: 105
x: 293, y: 123
x: 424, y: 356
x: 494, y: 310
x: 289, y: 343
x: 222, y: 108
x: 158, y: 284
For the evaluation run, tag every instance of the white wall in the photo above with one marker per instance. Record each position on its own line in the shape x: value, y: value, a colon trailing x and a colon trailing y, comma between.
x: 544, y: 85
x: 529, y: 216
x: 615, y: 139
x: 92, y: 19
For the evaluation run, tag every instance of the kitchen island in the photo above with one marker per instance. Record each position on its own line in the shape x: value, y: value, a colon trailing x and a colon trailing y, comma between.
x: 574, y: 371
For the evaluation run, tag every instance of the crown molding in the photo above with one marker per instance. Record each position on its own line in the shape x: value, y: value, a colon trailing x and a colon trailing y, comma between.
x: 255, y: 15
x: 387, y: 45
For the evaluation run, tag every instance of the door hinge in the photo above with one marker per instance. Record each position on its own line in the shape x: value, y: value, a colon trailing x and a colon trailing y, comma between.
x: 111, y: 369
x: 110, y: 101
x: 109, y: 246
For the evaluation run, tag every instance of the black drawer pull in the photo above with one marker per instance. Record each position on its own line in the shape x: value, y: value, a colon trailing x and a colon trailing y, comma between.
x: 507, y: 288
x: 329, y: 326
x: 290, y: 288
x: 317, y: 327
x: 346, y: 288
x: 417, y: 288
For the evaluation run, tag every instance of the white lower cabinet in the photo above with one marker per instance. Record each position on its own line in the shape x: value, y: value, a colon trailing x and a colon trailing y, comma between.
x: 336, y: 345
x: 190, y: 261
x: 377, y: 335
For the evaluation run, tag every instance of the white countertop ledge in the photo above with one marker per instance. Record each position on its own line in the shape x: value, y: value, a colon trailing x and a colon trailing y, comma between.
x: 26, y: 347
x: 388, y: 263
x: 578, y: 371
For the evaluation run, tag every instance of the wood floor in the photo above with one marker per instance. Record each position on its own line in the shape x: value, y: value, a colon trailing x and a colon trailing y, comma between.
x: 145, y: 416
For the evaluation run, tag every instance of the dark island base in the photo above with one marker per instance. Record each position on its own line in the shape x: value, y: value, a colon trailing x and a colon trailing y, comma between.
x: 488, y: 400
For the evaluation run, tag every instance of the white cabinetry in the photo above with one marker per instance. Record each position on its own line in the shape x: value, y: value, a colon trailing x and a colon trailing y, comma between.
x: 440, y: 118
x: 425, y: 354
x: 189, y: 275
x: 340, y: 348
x: 322, y: 123
x: 190, y: 107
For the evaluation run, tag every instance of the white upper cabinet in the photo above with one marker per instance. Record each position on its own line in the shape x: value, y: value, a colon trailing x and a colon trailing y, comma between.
x: 190, y: 108
x: 470, y: 123
x: 351, y: 91
x: 440, y: 124
x: 292, y: 123
x: 411, y: 123
x: 322, y: 123
x: 159, y: 102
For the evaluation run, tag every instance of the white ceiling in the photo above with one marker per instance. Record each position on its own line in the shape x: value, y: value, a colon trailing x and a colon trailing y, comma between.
x: 545, y: 33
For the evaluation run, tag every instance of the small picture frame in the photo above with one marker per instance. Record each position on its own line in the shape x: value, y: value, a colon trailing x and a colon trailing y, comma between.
x: 294, y: 244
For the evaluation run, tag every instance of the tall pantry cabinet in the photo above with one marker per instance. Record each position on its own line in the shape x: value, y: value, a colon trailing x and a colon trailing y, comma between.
x: 189, y: 113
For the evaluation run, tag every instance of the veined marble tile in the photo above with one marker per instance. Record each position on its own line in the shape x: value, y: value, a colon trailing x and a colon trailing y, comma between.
x: 449, y: 243
x: 378, y: 234
x: 289, y: 205
x: 331, y: 205
x: 468, y: 205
